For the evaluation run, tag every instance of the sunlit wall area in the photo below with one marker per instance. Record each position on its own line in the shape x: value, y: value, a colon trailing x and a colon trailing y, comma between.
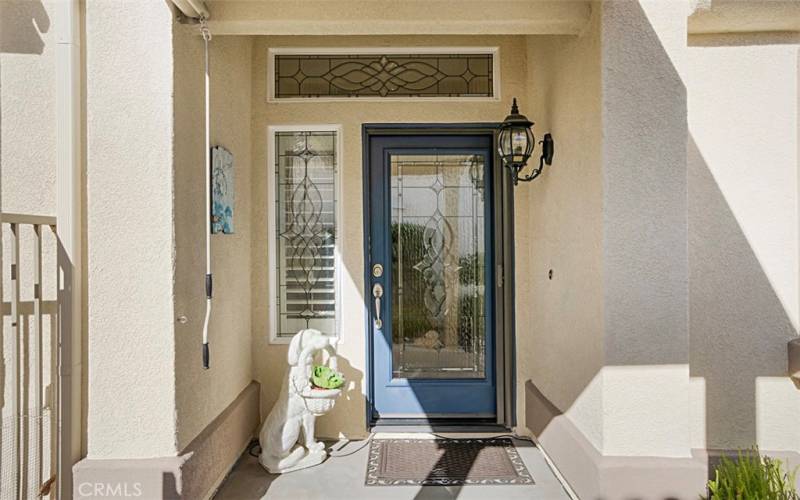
x: 743, y: 154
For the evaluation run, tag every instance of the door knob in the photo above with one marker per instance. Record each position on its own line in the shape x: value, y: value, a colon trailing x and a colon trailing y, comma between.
x: 377, y: 293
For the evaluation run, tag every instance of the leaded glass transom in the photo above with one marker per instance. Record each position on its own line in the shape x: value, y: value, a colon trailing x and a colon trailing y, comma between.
x: 305, y: 211
x: 383, y: 75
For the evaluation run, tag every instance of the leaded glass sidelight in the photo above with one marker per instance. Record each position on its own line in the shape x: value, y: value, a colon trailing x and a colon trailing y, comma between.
x: 438, y: 271
x: 305, y: 236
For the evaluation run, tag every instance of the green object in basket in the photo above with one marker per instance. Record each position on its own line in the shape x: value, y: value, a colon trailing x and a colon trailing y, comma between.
x: 324, y: 377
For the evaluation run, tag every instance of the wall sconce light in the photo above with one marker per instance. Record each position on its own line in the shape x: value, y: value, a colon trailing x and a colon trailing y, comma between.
x: 515, y: 144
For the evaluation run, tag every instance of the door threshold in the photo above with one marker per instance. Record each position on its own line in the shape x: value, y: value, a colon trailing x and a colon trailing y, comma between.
x: 422, y: 426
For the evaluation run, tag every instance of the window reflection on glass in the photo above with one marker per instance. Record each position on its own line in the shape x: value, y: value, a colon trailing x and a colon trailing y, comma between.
x: 438, y: 308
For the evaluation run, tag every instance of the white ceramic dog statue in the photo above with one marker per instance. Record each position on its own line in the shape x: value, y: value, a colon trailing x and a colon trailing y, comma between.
x: 297, y: 408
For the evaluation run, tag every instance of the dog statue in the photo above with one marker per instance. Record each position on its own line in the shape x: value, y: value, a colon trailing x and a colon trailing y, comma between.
x: 297, y: 408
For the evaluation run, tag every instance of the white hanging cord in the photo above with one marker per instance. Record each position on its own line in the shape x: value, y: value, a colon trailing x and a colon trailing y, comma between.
x: 207, y: 211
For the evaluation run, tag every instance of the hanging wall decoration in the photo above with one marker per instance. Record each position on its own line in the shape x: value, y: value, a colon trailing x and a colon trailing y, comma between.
x: 222, y: 190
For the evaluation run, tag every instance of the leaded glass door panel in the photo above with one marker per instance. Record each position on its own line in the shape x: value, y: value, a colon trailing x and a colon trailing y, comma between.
x: 431, y: 231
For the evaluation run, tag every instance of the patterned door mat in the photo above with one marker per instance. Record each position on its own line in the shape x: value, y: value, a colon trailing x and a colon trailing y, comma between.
x: 444, y: 462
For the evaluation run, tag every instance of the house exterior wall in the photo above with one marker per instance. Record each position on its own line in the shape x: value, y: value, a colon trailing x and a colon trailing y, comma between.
x: 633, y: 274
x: 669, y: 219
x: 28, y: 184
x: 27, y: 103
x: 700, y: 260
x: 743, y: 152
x: 619, y: 319
x: 130, y: 230
x: 411, y: 17
x: 154, y: 416
x: 181, y: 250
x: 559, y: 334
x: 202, y: 394
x: 644, y: 229
x: 348, y: 418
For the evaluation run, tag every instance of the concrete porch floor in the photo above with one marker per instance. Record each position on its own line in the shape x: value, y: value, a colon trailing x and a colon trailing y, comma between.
x: 341, y: 477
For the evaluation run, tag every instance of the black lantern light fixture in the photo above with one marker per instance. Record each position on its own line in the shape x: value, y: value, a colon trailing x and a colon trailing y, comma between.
x: 515, y: 144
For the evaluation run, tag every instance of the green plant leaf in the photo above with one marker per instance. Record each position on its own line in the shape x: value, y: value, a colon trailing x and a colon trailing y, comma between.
x: 752, y: 476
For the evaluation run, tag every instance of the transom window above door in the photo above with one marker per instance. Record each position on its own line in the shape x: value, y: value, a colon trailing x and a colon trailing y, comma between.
x: 383, y: 73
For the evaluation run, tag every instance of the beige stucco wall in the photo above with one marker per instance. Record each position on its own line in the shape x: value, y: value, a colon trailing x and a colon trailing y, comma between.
x: 27, y: 103
x: 559, y: 321
x: 147, y: 272
x: 202, y: 394
x: 611, y: 223
x: 129, y: 226
x: 645, y: 268
x: 28, y: 180
x: 744, y: 151
x: 388, y: 17
x: 270, y: 360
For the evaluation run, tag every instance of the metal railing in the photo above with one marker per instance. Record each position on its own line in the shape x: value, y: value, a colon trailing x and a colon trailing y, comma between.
x: 28, y: 357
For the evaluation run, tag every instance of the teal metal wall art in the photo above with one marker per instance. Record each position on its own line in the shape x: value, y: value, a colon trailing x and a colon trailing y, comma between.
x: 222, y: 191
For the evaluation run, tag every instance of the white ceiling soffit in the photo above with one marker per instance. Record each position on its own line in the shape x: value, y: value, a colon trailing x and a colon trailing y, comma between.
x: 192, y: 8
x: 392, y: 17
x: 737, y: 16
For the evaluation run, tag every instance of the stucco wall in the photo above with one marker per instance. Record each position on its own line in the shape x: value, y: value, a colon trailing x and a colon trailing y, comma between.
x: 27, y: 104
x: 145, y: 187
x: 202, y: 394
x: 270, y: 360
x: 28, y: 180
x: 129, y: 226
x: 387, y: 17
x: 645, y: 262
x: 559, y: 320
x: 611, y: 224
x: 743, y: 154
x: 609, y: 218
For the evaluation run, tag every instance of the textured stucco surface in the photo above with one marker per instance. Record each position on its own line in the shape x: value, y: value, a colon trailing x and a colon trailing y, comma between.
x: 28, y: 180
x: 743, y: 239
x: 202, y: 394
x: 410, y: 17
x: 645, y: 262
x: 145, y: 187
x: 211, y: 454
x: 610, y: 220
x: 348, y: 417
x: 736, y: 16
x: 131, y: 346
x: 559, y: 321
x: 27, y: 104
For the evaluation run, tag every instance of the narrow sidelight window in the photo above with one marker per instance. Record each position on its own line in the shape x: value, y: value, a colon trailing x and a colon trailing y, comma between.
x: 304, y: 193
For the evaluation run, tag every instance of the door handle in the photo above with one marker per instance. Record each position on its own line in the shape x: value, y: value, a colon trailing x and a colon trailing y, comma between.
x: 377, y: 293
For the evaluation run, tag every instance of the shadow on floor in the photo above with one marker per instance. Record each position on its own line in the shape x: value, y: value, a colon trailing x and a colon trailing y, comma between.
x: 342, y: 477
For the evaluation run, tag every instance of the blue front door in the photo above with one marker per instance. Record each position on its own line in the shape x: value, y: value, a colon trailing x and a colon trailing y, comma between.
x: 430, y: 276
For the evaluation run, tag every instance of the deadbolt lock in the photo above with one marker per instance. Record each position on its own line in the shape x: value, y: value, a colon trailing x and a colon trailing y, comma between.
x: 377, y: 270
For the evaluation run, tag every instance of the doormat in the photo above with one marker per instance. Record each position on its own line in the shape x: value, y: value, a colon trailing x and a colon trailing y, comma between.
x: 445, y: 462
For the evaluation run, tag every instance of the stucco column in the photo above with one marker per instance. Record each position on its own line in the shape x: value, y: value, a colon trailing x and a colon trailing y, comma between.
x: 645, y: 267
x: 131, y: 379
x: 157, y: 424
